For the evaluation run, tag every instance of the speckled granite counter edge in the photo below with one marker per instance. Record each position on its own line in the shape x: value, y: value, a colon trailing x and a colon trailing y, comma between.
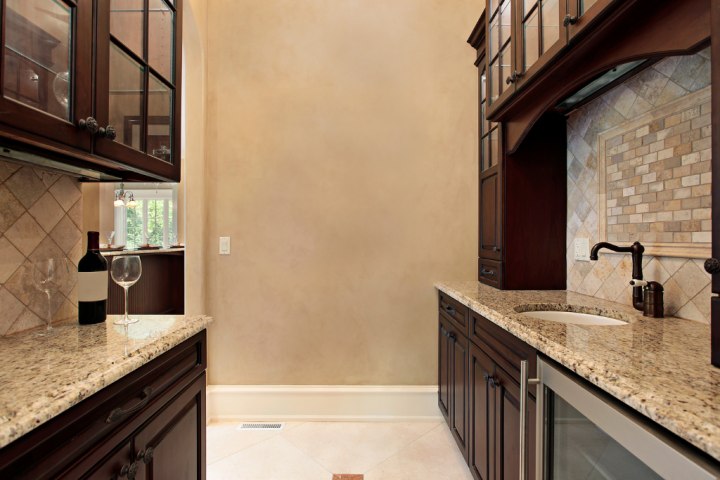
x: 704, y: 436
x: 34, y: 414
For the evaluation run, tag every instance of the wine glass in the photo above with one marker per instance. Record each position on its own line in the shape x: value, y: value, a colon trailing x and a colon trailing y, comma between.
x: 45, y: 274
x: 125, y: 271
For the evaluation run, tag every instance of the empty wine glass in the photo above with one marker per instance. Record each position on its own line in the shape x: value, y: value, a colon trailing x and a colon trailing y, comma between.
x: 45, y: 275
x: 125, y: 271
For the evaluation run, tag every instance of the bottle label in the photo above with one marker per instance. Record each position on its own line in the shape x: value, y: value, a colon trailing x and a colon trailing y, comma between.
x: 92, y: 286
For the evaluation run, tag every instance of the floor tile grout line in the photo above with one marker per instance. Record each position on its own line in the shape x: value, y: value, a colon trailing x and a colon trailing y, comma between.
x: 402, y: 449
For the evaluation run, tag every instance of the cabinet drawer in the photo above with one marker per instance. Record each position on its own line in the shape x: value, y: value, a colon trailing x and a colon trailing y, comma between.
x: 111, y: 412
x: 490, y: 272
x: 455, y: 311
x: 503, y: 347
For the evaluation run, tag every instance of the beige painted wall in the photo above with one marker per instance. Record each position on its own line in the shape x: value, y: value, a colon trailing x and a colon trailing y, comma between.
x: 341, y: 159
x: 193, y: 191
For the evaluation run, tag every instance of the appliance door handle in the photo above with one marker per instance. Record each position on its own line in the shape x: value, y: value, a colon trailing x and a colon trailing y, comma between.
x: 524, y: 382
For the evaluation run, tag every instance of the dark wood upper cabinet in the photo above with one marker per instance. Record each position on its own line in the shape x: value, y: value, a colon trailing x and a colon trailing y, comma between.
x: 138, y: 83
x: 94, y: 84
x: 45, y: 69
x: 521, y: 238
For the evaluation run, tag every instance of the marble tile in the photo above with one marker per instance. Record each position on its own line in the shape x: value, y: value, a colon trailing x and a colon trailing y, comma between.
x: 10, y: 259
x: 10, y: 208
x: 66, y: 234
x: 75, y: 214
x: 10, y: 310
x: 224, y: 439
x: 25, y: 234
x: 432, y: 457
x: 26, y: 186
x: 691, y: 278
x: 7, y: 169
x: 331, y: 444
x: 66, y: 191
x: 47, y: 212
x: 276, y: 459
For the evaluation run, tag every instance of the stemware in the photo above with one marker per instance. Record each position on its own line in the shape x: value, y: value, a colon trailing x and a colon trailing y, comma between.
x: 45, y: 274
x: 125, y: 271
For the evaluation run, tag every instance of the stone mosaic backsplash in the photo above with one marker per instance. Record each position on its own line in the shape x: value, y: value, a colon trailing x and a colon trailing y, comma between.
x: 644, y: 98
x: 40, y: 217
x: 655, y: 176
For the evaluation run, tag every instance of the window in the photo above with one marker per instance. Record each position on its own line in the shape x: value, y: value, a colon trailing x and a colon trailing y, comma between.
x: 152, y: 221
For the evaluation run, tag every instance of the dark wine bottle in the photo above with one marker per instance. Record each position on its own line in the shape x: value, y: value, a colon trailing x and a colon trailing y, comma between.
x: 92, y: 283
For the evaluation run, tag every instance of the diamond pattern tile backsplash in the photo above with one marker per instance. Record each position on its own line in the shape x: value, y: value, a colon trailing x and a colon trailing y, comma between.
x: 40, y: 217
x: 687, y: 285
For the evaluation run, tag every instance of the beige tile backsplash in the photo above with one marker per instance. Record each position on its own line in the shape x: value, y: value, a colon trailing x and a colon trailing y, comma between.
x: 40, y: 217
x: 672, y: 207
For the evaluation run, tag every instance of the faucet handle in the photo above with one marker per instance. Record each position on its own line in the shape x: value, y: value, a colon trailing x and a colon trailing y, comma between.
x: 638, y: 283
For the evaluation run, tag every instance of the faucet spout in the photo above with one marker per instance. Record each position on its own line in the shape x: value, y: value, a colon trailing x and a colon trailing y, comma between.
x: 636, y: 250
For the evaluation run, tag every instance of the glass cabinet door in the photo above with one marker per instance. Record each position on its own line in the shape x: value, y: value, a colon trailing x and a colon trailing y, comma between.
x: 138, y: 89
x: 46, y: 65
x: 500, y: 50
x: 540, y: 26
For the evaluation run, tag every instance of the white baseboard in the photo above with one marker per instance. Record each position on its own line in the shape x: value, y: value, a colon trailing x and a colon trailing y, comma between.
x: 228, y: 403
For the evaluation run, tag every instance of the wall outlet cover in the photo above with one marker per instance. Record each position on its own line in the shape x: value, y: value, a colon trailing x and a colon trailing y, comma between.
x: 582, y: 249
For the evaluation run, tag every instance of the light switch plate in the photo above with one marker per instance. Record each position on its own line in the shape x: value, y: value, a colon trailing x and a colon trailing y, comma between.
x: 582, y: 249
x: 224, y: 245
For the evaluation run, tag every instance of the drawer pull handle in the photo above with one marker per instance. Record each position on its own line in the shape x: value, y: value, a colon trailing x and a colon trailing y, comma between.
x: 452, y: 336
x: 146, y: 455
x: 119, y: 413
x: 450, y: 310
x: 492, y: 380
x: 487, y: 273
x: 128, y: 471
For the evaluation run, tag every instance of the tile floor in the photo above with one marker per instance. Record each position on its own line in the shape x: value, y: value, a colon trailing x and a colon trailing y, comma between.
x: 319, y: 450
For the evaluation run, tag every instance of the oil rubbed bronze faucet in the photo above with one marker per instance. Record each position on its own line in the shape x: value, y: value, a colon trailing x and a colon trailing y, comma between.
x: 647, y: 296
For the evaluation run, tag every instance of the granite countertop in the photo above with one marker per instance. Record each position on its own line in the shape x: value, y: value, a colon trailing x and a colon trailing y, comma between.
x: 147, y: 251
x: 659, y: 367
x: 42, y: 377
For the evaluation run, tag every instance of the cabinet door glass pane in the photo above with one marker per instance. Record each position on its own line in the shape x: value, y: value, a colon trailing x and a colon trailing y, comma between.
x: 127, y: 18
x: 531, y: 39
x: 505, y: 22
x: 506, y: 65
x: 126, y: 98
x: 38, y: 55
x: 584, y: 5
x: 159, y: 135
x: 494, y: 36
x: 494, y: 148
x: 161, y: 36
x: 494, y: 80
x: 550, y: 23
x: 580, y: 449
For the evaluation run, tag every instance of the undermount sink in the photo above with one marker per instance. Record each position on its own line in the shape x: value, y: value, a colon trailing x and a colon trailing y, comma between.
x: 574, y: 318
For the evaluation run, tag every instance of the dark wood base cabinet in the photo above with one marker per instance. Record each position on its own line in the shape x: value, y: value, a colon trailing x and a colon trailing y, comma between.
x: 479, y: 392
x: 148, y: 425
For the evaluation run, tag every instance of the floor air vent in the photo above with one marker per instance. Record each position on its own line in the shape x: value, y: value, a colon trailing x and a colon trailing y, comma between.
x: 260, y: 426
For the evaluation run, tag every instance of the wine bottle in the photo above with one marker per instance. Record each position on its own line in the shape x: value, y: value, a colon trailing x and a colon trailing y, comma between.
x: 92, y: 283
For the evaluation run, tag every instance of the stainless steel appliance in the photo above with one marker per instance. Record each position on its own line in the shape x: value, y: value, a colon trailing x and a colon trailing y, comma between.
x: 583, y: 435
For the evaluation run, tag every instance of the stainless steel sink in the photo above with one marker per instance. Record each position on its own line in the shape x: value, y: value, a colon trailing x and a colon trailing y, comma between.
x: 574, y: 318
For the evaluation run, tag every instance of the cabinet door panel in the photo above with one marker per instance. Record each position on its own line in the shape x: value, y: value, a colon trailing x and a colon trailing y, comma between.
x: 443, y: 371
x: 459, y: 410
x: 180, y: 427
x: 507, y: 429
x: 46, y: 65
x: 482, y: 405
x: 490, y: 214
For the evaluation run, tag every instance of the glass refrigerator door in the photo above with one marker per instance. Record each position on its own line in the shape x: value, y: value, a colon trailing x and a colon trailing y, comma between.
x: 577, y: 448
